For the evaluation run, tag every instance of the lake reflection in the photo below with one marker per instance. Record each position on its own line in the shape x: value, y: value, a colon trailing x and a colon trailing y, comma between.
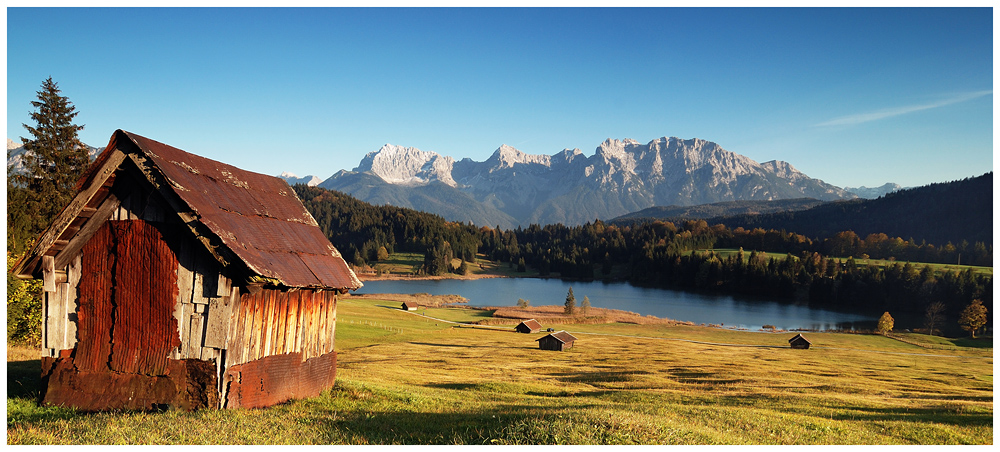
x: 726, y: 310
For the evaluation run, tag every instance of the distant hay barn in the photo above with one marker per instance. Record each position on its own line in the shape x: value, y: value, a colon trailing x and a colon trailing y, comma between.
x: 799, y: 341
x: 528, y: 326
x: 172, y: 280
x: 409, y: 306
x: 558, y: 341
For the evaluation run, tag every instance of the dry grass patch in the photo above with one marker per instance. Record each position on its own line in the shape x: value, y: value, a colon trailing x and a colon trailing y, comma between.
x: 555, y: 314
x: 422, y: 299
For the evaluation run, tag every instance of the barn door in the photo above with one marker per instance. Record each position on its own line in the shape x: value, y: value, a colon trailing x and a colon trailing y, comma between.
x: 127, y: 293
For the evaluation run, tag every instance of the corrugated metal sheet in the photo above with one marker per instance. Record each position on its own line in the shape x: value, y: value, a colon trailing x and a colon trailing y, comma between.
x: 258, y: 217
x: 94, y: 318
x: 145, y: 330
x: 128, y: 288
x: 275, y: 379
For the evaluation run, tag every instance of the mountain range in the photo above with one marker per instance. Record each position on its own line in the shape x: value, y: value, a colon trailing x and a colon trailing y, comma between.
x: 512, y: 188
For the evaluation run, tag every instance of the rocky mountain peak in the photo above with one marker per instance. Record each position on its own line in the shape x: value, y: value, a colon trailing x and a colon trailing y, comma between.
x: 407, y: 166
x: 506, y: 157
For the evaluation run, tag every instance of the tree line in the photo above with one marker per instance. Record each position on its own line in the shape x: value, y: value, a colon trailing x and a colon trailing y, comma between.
x: 830, y: 273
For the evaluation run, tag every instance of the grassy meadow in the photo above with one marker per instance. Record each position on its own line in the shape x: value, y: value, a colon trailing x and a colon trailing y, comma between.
x: 407, y: 379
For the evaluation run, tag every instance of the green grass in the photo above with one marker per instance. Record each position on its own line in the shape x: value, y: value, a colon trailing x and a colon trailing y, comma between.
x: 406, y: 379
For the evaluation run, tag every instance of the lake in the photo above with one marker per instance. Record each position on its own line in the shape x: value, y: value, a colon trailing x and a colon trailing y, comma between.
x: 726, y: 310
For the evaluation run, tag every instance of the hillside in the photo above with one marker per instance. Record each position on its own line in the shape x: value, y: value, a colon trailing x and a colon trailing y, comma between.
x: 938, y: 213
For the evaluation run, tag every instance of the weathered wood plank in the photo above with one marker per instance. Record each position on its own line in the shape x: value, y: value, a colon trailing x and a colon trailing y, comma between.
x: 48, y: 274
x: 258, y: 324
x: 291, y: 322
x: 223, y: 286
x: 218, y: 322
x: 53, y: 312
x: 73, y: 273
x: 197, y: 325
x: 245, y: 340
x: 198, y: 288
x: 268, y: 324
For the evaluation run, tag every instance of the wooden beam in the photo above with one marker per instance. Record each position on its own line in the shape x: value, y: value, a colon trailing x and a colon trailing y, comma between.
x: 87, y: 231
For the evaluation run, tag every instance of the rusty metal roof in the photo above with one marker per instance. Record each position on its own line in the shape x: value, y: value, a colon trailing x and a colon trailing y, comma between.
x: 532, y: 324
x: 258, y: 217
x: 560, y: 336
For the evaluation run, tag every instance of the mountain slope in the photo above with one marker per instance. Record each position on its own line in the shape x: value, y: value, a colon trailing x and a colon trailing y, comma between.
x: 437, y: 198
x: 570, y: 188
x: 938, y: 213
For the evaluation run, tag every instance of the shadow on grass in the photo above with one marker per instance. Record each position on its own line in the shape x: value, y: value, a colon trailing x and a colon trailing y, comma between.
x: 979, y: 342
x: 943, y: 415
x: 516, y: 424
x: 24, y: 379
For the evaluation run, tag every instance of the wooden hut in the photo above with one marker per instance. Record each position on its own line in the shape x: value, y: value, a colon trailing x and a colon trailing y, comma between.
x: 172, y: 280
x: 409, y: 306
x: 557, y: 341
x: 799, y: 342
x: 528, y: 326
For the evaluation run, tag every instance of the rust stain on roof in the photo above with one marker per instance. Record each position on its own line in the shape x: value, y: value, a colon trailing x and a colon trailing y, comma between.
x: 258, y: 217
x: 560, y: 336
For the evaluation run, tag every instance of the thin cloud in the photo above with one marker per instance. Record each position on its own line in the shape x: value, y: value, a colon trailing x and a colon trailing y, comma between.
x: 860, y: 118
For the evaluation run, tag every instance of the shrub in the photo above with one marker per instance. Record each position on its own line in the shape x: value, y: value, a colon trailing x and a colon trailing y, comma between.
x: 24, y: 307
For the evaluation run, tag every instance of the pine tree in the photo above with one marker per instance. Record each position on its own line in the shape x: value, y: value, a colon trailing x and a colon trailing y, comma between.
x: 53, y: 159
x: 570, y: 302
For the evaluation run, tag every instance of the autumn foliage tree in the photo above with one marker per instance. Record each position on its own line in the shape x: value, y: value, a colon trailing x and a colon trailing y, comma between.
x: 885, y: 324
x: 973, y: 317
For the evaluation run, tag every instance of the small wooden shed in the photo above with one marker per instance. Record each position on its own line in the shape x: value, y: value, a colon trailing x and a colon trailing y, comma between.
x: 557, y: 341
x: 172, y: 280
x: 409, y: 306
x: 528, y: 326
x: 799, y: 341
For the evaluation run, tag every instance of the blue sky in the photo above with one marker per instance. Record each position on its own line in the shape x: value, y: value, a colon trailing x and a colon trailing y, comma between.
x: 850, y: 96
